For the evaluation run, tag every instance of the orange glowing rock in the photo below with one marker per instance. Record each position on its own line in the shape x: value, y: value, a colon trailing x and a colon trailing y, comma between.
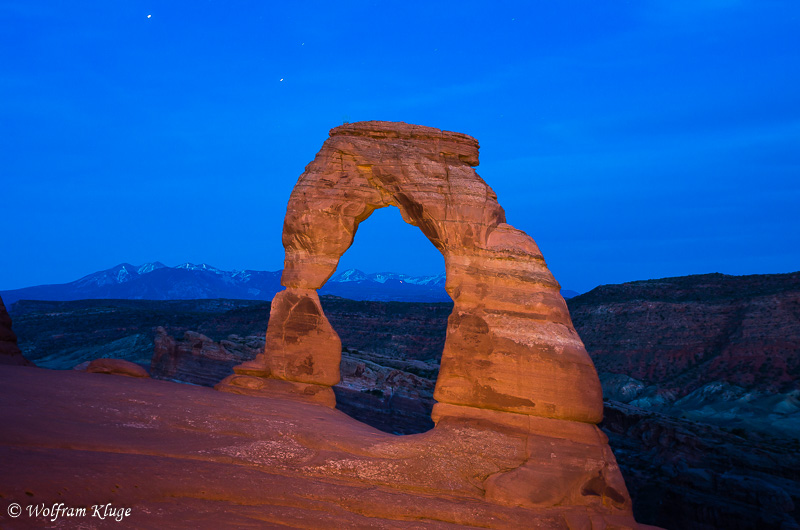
x: 513, y: 365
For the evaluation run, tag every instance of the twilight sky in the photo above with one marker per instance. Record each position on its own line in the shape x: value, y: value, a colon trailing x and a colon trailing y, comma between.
x: 631, y: 140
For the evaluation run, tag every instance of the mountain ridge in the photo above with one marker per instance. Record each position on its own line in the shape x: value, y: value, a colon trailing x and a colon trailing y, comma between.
x: 187, y: 281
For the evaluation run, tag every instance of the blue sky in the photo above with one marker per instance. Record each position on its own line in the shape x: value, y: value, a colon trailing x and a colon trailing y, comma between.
x: 631, y: 140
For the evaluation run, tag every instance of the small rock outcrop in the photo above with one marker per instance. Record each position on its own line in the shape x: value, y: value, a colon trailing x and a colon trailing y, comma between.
x: 9, y: 351
x: 512, y: 360
x: 197, y: 359
x: 116, y: 367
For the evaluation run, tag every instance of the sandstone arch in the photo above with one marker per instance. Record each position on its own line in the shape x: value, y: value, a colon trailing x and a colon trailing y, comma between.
x: 513, y: 367
x: 510, y: 345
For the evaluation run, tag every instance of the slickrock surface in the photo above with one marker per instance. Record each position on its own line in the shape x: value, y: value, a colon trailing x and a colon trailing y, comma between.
x: 9, y: 351
x: 511, y: 360
x: 681, y: 474
x: 188, y: 457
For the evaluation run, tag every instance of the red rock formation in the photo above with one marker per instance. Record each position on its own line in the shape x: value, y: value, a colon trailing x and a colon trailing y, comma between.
x: 116, y: 367
x: 9, y: 351
x: 197, y: 359
x: 512, y: 360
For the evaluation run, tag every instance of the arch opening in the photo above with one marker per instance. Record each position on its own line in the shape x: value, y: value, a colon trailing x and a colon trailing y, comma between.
x: 393, y: 327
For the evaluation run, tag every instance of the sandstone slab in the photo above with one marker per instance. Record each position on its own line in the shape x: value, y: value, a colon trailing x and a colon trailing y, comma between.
x: 183, y: 456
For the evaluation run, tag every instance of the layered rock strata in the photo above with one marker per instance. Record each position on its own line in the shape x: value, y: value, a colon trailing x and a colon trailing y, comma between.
x: 9, y: 351
x: 683, y: 333
x: 512, y: 359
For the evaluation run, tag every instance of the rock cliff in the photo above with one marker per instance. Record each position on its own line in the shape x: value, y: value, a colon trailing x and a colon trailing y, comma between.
x: 687, y: 474
x: 714, y: 348
x: 683, y: 333
x: 9, y: 351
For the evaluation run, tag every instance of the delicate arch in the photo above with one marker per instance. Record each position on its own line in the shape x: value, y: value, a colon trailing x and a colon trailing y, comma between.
x: 510, y: 344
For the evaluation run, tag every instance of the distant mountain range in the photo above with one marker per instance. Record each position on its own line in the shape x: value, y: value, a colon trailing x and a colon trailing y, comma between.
x: 156, y: 281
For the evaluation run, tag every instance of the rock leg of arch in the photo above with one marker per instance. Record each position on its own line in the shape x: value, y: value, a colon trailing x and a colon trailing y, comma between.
x: 512, y: 358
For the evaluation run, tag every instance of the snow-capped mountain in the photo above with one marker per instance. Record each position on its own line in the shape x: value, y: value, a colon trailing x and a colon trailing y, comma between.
x: 386, y: 286
x: 122, y: 273
x: 350, y: 275
x: 438, y: 279
x: 156, y: 281
x: 355, y: 275
x: 202, y: 267
x: 150, y: 267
